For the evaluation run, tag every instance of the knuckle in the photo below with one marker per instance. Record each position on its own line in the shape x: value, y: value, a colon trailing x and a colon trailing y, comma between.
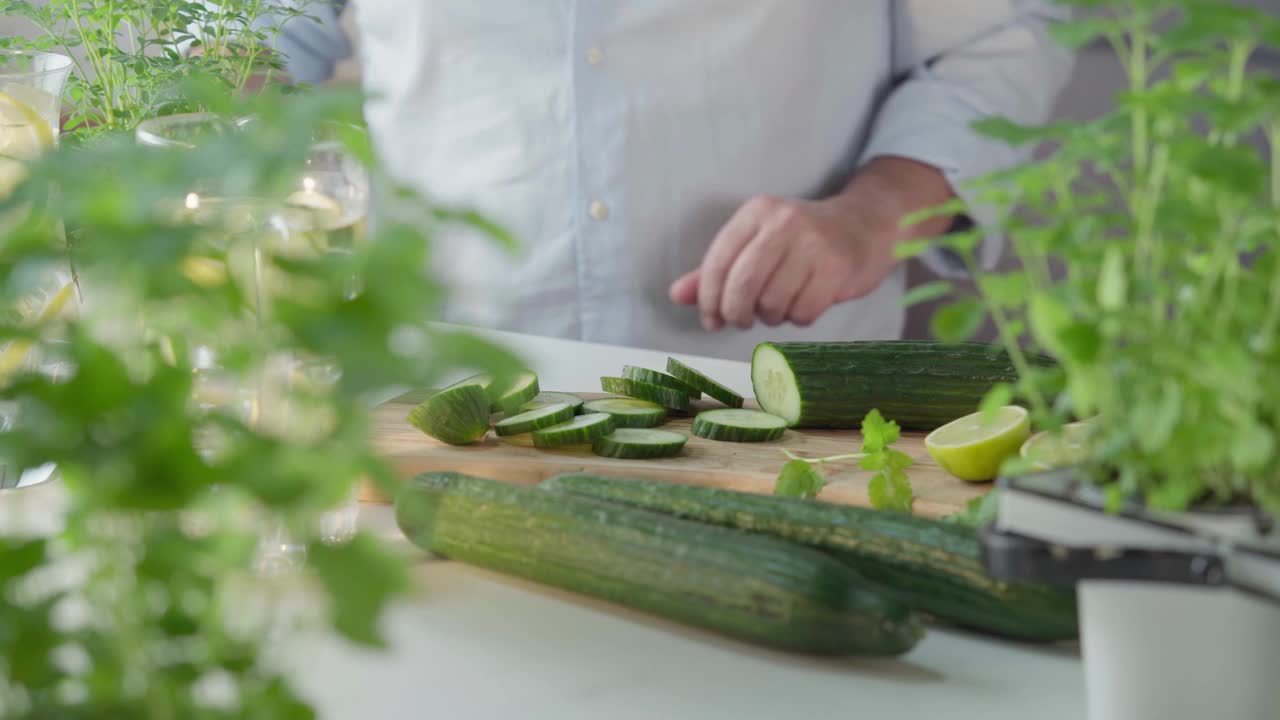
x: 762, y: 203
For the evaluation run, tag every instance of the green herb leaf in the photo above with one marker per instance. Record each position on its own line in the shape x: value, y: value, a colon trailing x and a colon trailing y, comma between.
x: 1000, y: 395
x: 927, y: 292
x: 361, y: 577
x: 958, y: 321
x: 877, y: 432
x: 978, y: 512
x: 798, y: 479
x: 889, y: 488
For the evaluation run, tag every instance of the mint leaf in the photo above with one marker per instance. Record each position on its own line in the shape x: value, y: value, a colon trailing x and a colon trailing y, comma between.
x: 798, y: 479
x: 927, y: 292
x: 878, y: 433
x: 977, y: 512
x: 889, y: 488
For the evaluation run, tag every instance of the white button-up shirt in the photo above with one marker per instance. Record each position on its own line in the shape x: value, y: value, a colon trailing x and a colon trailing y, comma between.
x: 615, y: 137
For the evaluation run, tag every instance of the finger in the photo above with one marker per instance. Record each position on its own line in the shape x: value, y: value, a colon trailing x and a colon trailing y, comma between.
x: 684, y: 291
x: 729, y: 242
x: 780, y: 293
x: 819, y: 293
x: 750, y: 273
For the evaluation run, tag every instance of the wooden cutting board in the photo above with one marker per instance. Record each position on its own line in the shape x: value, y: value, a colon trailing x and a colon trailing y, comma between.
x: 749, y: 467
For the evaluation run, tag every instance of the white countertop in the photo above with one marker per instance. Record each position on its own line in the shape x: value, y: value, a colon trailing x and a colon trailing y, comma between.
x: 474, y: 644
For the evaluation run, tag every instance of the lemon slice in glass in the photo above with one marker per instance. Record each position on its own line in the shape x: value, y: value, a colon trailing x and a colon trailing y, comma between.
x: 1048, y: 450
x: 973, y: 448
x: 24, y: 135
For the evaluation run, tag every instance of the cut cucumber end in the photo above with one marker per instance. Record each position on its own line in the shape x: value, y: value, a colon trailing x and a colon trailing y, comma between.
x: 457, y: 415
x: 774, y: 383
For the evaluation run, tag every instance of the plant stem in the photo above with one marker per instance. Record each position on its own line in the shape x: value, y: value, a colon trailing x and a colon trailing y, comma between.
x: 820, y: 461
x: 1010, y: 342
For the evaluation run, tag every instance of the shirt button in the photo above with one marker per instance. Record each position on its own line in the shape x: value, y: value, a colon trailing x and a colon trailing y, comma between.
x: 598, y: 211
x: 594, y: 56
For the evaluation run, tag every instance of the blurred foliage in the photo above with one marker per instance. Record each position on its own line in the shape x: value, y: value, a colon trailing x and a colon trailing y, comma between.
x: 132, y: 610
x: 1166, y: 216
x: 132, y: 55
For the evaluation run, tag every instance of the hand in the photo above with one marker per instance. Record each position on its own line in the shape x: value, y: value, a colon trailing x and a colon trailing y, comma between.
x: 789, y: 260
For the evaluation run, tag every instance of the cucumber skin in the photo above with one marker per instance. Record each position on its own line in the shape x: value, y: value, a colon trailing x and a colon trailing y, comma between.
x: 920, y: 385
x: 504, y: 427
x: 753, y: 588
x: 664, y: 396
x: 925, y: 564
x: 703, y: 383
x: 540, y: 440
x: 467, y: 402
x: 661, y: 379
x: 711, y: 430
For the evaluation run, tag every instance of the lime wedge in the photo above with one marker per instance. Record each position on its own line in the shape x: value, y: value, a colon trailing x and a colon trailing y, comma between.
x: 11, y: 357
x: 973, y: 449
x: 1047, y: 450
x: 326, y: 211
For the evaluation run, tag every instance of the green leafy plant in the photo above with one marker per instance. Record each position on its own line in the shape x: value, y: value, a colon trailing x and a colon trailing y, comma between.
x: 1165, y: 215
x: 131, y: 55
x: 889, y: 487
x: 147, y: 597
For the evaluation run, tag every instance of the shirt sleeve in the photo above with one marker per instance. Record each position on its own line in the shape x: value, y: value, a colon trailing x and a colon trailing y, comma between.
x: 311, y: 45
x: 960, y: 62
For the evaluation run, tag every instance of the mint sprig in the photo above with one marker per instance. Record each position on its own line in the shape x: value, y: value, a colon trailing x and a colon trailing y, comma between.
x: 889, y: 487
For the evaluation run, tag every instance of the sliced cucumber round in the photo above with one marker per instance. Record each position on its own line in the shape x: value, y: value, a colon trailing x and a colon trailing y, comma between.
x: 654, y: 377
x: 629, y: 412
x: 737, y: 425
x: 639, y: 444
x: 519, y: 390
x: 666, y: 397
x: 458, y: 415
x: 544, y: 399
x: 582, y: 429
x: 701, y: 382
x: 530, y: 420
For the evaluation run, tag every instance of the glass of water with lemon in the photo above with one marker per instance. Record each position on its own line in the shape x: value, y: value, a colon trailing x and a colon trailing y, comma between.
x: 31, y: 85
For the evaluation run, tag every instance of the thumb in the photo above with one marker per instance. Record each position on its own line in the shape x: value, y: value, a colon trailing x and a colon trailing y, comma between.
x: 684, y: 291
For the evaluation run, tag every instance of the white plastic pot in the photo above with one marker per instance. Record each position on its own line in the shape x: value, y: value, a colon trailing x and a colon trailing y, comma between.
x: 1179, y: 614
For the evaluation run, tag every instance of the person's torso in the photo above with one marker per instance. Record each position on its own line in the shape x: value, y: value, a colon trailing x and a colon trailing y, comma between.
x: 614, y: 138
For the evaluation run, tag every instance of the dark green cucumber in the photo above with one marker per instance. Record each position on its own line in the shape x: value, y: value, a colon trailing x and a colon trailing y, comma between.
x: 458, y: 415
x: 920, y: 385
x: 537, y: 419
x: 701, y: 382
x: 581, y: 429
x: 738, y: 425
x: 629, y: 412
x: 515, y: 392
x: 666, y: 397
x: 544, y: 399
x: 654, y: 377
x: 751, y: 587
x: 639, y: 444
x: 931, y: 566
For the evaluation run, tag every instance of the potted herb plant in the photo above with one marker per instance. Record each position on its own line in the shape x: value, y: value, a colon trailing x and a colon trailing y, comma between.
x: 1148, y: 242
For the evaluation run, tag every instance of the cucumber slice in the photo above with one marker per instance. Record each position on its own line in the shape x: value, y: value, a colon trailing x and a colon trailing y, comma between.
x: 543, y: 417
x: 458, y: 415
x: 666, y: 397
x: 639, y: 444
x: 629, y: 412
x: 703, y: 383
x: 736, y: 425
x: 519, y: 390
x: 654, y: 377
x: 544, y: 399
x: 582, y: 429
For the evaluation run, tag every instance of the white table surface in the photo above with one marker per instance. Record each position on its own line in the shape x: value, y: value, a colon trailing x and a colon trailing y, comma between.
x: 474, y: 644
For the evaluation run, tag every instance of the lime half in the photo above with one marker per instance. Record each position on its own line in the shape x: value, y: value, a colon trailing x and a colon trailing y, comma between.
x: 973, y: 448
x: 1048, y: 450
